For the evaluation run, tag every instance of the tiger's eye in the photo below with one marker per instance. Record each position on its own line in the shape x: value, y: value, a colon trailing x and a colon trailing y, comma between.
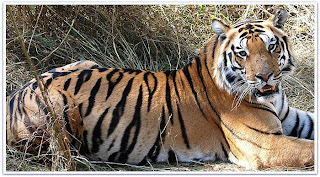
x: 271, y: 46
x: 243, y: 53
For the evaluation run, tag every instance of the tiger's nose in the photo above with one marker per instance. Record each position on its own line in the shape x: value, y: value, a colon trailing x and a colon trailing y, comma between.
x: 264, y: 77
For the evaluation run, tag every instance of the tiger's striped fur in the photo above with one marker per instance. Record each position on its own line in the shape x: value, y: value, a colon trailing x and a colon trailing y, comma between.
x: 205, y: 111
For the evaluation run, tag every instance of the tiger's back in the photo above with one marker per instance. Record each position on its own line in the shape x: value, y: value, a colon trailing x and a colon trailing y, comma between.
x: 130, y: 115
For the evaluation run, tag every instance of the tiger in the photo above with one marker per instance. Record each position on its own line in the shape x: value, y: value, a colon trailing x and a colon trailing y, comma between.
x: 227, y: 104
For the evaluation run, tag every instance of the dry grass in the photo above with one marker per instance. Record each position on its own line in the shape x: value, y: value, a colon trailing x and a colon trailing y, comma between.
x: 143, y: 37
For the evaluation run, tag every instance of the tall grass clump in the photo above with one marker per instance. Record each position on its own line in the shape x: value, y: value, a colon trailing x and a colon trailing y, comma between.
x: 151, y: 37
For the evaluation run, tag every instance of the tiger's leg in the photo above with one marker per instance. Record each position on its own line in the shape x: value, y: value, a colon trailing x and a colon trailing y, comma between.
x: 294, y: 122
x: 257, y: 150
x: 28, y: 120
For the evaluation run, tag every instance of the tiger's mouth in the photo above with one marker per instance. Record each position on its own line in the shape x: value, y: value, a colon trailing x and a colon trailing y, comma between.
x: 267, y: 90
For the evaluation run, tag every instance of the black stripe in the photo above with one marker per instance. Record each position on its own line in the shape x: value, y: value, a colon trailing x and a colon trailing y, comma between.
x: 14, y: 92
x: 153, y: 91
x: 187, y: 74
x: 290, y: 62
x: 41, y: 106
x: 96, y: 136
x: 65, y: 113
x: 296, y: 126
x: 183, y: 129
x: 205, y: 59
x: 286, y: 42
x: 130, y: 71
x: 266, y: 109
x: 66, y: 84
x: 58, y: 74
x: 43, y: 76
x: 234, y: 68
x: 225, y: 58
x: 230, y: 77
x: 277, y: 40
x: 33, y: 88
x: 111, y: 145
x: 259, y: 31
x: 224, y: 151
x: 30, y: 126
x: 146, y: 80
x: 172, y: 157
x: 19, y: 104
x: 168, y: 100
x: 11, y: 104
x: 199, y: 69
x: 25, y: 86
x: 80, y: 109
x: 119, y: 109
x: 249, y: 26
x: 239, y: 31
x: 97, y: 66
x: 167, y: 73
x: 111, y: 85
x: 310, y: 127
x: 286, y: 69
x: 230, y: 57
x: 230, y: 130
x: 136, y: 122
x: 84, y: 148
x: 92, y: 97
x: 222, y: 37
x: 237, y: 26
x: 282, y: 45
x: 243, y: 34
x: 155, y: 150
x: 82, y: 77
x: 260, y: 26
x: 74, y: 70
x: 112, y: 157
x: 286, y: 115
x: 300, y: 129
x: 232, y: 48
x: 174, y: 75
x: 99, y: 69
x: 25, y: 92
x: 267, y: 133
x: 48, y: 82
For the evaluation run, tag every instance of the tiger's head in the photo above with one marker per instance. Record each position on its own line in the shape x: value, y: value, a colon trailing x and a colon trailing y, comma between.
x: 254, y: 56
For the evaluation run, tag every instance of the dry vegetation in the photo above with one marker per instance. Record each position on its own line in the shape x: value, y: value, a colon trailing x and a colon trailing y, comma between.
x: 142, y: 37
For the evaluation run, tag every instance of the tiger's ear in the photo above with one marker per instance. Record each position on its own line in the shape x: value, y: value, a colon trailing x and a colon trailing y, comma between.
x: 279, y: 18
x: 219, y: 28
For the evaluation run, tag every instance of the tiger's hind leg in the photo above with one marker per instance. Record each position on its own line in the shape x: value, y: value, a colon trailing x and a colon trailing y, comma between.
x: 29, y: 125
